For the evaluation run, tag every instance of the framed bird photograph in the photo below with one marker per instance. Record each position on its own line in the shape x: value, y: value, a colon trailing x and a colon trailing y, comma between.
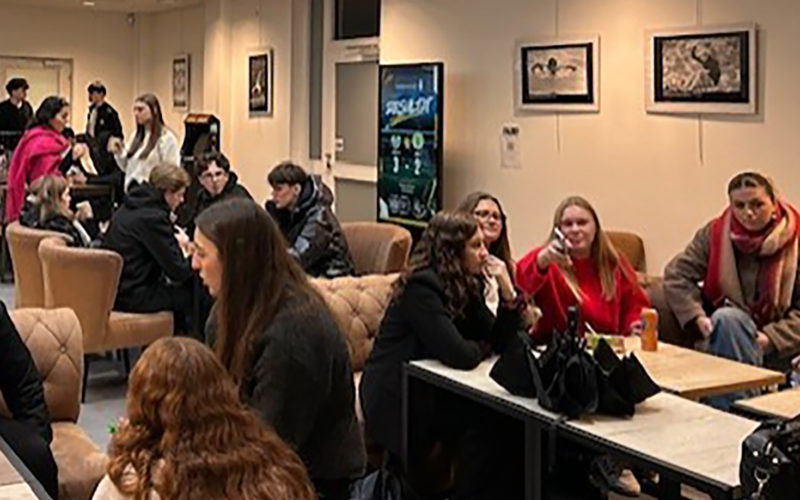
x: 260, y: 82
x: 702, y: 70
x: 557, y: 75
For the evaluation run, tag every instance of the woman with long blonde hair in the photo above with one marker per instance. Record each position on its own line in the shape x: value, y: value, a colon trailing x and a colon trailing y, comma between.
x: 583, y: 268
x: 188, y: 436
x: 47, y: 207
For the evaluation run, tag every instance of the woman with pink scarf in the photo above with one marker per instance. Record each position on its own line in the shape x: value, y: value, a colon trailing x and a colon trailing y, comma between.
x: 40, y: 152
x: 736, y: 284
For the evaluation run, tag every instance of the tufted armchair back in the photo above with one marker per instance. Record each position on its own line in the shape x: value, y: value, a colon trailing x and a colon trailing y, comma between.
x: 377, y: 247
x: 54, y: 339
x: 358, y: 306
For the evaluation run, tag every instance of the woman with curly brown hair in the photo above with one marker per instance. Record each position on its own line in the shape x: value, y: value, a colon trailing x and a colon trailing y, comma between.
x: 275, y: 335
x: 438, y: 311
x: 188, y: 436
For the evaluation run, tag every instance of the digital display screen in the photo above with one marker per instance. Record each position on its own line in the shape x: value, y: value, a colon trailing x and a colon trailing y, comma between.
x: 410, y: 143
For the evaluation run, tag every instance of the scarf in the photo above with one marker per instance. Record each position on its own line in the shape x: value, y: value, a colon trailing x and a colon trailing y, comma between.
x: 776, y: 249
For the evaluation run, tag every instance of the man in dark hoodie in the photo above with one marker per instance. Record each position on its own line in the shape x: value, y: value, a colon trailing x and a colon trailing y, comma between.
x: 28, y: 432
x: 155, y: 273
x: 301, y: 205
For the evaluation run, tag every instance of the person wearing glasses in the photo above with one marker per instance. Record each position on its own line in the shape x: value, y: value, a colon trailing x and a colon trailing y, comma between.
x: 492, y: 220
x: 219, y: 183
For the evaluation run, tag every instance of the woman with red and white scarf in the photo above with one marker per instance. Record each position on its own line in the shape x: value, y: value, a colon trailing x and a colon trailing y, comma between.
x: 737, y: 283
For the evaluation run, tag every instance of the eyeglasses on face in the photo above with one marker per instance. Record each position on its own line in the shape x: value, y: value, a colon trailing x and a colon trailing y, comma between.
x: 488, y: 214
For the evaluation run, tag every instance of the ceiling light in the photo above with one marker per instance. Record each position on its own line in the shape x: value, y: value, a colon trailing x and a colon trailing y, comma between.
x: 88, y: 3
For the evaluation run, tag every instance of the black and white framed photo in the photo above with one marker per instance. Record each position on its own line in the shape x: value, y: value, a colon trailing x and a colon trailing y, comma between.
x: 181, y: 75
x: 702, y: 70
x: 557, y: 75
x: 260, y: 82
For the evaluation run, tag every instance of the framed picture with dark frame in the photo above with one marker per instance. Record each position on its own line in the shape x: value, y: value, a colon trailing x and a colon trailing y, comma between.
x: 181, y: 76
x: 702, y: 70
x: 557, y: 75
x: 259, y: 82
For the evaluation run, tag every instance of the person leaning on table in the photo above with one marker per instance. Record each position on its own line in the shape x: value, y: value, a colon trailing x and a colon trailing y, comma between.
x: 748, y: 305
x: 438, y: 312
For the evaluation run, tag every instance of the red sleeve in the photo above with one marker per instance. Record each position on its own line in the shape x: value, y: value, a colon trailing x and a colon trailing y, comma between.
x: 529, y: 278
x: 632, y: 297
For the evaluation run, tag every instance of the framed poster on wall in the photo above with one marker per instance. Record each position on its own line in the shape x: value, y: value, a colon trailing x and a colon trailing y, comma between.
x: 180, y: 82
x: 557, y: 75
x: 259, y: 82
x: 702, y: 70
x: 410, y: 143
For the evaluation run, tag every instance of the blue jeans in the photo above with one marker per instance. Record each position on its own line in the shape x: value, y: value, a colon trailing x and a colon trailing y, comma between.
x: 733, y: 336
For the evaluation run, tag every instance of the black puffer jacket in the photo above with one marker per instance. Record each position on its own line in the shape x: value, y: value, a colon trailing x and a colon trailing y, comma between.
x: 313, y: 232
x: 141, y: 231
x: 20, y: 382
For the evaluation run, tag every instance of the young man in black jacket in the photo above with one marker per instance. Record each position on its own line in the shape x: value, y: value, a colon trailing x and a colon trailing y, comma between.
x: 28, y: 432
x: 155, y: 273
x: 301, y: 205
x: 15, y: 113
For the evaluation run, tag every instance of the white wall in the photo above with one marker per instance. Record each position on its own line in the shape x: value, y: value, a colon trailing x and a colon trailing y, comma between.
x: 100, y: 44
x: 162, y: 37
x: 660, y: 176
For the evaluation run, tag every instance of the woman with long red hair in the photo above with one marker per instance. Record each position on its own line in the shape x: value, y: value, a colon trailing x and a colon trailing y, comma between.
x: 188, y: 436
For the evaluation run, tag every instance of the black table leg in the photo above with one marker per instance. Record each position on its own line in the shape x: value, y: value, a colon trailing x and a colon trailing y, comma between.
x: 533, y: 461
x: 669, y: 489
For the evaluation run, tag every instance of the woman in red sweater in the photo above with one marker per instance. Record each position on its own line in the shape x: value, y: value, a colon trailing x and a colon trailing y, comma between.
x: 585, y: 270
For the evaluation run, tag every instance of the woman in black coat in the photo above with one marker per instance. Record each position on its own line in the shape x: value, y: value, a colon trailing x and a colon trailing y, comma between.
x: 276, y: 336
x: 155, y: 273
x: 438, y: 312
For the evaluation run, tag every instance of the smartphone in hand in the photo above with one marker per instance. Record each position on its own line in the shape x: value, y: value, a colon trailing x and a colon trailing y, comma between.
x: 560, y: 239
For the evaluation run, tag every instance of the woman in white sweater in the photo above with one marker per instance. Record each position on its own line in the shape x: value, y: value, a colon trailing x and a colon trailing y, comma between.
x: 152, y: 144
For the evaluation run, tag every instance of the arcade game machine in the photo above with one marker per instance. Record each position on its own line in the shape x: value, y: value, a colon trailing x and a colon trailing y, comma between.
x: 201, y: 135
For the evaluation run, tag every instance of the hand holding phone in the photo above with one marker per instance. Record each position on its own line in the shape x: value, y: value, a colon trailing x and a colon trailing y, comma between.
x: 557, y: 251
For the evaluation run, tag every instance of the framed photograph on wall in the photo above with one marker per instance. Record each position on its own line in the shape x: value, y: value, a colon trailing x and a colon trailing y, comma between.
x: 181, y: 75
x: 557, y: 75
x: 702, y: 70
x: 259, y: 82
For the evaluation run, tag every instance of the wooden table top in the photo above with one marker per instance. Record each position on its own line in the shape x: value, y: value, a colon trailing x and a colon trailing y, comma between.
x: 8, y: 474
x: 784, y: 404
x: 12, y: 484
x: 666, y: 428
x: 694, y: 374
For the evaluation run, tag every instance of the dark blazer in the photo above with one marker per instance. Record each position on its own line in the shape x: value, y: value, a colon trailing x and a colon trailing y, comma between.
x: 313, y: 232
x: 20, y: 382
x: 417, y: 325
x: 300, y: 383
x: 142, y: 233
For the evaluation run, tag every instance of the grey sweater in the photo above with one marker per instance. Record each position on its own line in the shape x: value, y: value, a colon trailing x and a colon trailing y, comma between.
x: 684, y: 273
x: 300, y: 383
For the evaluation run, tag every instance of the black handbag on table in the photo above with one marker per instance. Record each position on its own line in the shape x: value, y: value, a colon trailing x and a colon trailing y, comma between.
x: 569, y: 380
x: 770, y: 466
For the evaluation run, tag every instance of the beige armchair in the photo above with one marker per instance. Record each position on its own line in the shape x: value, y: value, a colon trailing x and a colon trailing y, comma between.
x: 54, y: 338
x: 86, y: 281
x: 377, y: 247
x: 23, y: 243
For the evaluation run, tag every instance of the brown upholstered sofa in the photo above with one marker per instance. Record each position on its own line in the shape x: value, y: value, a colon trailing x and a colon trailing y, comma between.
x: 358, y: 305
x: 54, y: 338
x: 23, y: 244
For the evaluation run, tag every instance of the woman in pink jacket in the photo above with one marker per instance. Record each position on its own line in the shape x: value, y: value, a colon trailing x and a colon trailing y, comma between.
x: 40, y: 152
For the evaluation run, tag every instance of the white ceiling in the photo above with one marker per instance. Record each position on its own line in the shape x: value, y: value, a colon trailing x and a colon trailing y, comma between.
x: 112, y: 5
